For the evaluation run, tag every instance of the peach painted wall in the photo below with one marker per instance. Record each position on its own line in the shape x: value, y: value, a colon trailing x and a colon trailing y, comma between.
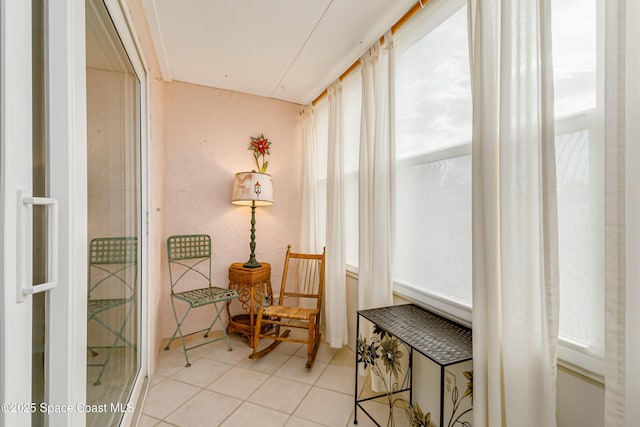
x: 156, y: 171
x: 207, y: 134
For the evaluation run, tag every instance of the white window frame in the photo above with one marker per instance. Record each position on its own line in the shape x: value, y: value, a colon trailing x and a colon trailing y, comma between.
x: 123, y: 22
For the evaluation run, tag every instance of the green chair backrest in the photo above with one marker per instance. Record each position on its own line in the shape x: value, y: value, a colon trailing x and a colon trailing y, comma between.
x: 189, y: 258
x: 112, y: 261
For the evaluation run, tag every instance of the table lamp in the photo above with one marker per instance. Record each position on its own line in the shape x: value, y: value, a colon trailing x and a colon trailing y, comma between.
x: 252, y: 189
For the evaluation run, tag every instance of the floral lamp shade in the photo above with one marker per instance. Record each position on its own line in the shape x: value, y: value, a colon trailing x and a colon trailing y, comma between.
x: 252, y: 189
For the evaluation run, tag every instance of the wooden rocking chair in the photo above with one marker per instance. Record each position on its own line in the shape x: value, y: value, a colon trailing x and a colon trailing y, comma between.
x: 299, y: 305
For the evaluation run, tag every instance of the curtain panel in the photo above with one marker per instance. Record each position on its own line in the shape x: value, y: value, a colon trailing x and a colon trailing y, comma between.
x: 514, y: 215
x: 376, y: 184
x: 335, y: 299
x: 622, y: 214
x: 376, y: 176
x: 310, y: 239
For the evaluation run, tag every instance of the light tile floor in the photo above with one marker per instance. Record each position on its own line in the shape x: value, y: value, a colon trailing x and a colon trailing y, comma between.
x: 226, y: 388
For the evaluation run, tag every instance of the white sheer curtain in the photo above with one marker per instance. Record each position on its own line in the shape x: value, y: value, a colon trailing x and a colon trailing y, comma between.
x: 622, y: 214
x: 376, y: 176
x: 310, y: 239
x: 515, y: 266
x: 335, y: 297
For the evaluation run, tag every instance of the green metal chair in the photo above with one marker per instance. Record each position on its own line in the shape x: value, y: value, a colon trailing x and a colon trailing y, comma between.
x: 112, y: 279
x: 189, y: 258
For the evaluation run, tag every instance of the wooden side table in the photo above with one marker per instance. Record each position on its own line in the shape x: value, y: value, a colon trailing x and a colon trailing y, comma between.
x: 253, y: 286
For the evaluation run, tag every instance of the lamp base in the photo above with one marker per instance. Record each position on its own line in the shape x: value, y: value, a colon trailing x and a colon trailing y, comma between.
x: 252, y: 263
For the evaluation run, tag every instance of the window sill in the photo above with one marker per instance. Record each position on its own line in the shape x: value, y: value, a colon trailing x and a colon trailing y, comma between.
x: 453, y: 310
x: 352, y: 271
x: 580, y: 361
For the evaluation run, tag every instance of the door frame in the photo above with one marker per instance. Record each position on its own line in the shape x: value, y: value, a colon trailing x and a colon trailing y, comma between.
x: 71, y: 173
x: 15, y: 174
x: 123, y: 22
x: 65, y: 369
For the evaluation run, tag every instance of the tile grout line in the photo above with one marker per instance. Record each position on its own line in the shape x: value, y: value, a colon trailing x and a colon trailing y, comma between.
x: 311, y: 388
x: 308, y: 391
x: 242, y: 401
x: 201, y: 390
x: 272, y: 374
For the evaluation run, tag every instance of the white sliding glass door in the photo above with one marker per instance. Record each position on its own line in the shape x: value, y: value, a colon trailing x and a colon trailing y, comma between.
x: 71, y: 171
x: 42, y: 221
x: 114, y: 78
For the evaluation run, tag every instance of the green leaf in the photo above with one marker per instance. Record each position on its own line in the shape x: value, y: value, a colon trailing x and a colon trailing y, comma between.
x: 264, y: 167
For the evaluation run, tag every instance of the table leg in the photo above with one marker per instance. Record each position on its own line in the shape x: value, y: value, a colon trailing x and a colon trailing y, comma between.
x: 441, y: 396
x: 410, y: 375
x: 355, y: 394
x: 251, y: 313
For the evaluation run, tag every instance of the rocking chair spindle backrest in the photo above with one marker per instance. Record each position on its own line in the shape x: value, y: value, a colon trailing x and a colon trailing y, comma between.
x: 303, y: 278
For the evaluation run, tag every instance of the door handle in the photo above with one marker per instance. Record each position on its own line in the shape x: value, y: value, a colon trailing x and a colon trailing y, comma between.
x: 25, y: 241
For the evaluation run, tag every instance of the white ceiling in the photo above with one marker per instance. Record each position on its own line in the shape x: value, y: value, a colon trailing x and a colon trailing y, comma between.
x: 285, y: 49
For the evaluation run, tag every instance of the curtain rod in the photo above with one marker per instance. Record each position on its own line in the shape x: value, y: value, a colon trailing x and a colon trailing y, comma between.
x: 395, y: 27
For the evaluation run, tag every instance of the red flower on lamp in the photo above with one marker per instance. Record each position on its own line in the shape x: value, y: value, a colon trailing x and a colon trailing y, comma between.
x: 260, y: 146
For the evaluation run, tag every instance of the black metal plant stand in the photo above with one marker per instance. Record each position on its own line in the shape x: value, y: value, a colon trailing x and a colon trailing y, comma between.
x: 441, y: 340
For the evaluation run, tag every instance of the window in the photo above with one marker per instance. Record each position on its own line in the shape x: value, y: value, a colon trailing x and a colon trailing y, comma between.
x: 351, y: 110
x: 433, y: 224
x: 578, y: 87
x: 433, y: 167
x: 433, y: 152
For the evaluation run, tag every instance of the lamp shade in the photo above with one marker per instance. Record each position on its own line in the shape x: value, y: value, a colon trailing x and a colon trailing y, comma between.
x: 252, y: 188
